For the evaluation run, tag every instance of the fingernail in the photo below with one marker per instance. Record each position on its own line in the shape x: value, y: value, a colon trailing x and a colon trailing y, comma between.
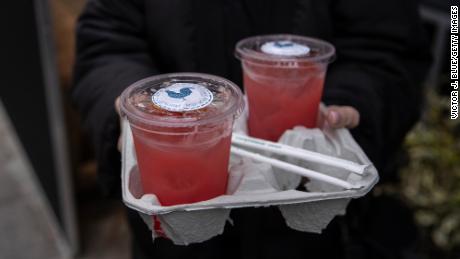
x: 333, y: 117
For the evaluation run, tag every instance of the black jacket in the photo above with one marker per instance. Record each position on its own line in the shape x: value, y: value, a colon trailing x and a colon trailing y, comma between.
x: 381, y: 58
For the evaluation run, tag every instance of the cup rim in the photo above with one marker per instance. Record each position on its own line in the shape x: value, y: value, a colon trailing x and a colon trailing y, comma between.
x: 244, y: 53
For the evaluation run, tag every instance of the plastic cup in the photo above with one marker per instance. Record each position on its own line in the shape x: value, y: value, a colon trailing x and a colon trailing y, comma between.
x: 283, y: 78
x: 182, y: 126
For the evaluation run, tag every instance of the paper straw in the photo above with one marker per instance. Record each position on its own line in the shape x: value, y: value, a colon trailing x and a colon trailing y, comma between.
x: 292, y: 168
x: 299, y: 153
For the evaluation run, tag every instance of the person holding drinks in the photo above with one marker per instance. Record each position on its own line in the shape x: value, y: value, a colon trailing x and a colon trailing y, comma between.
x: 372, y: 87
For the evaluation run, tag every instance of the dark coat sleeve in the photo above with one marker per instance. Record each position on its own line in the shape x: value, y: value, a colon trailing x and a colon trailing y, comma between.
x: 382, y: 58
x: 112, y: 53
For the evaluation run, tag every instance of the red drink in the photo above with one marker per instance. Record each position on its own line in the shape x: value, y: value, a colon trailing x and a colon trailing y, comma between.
x: 281, y: 99
x: 178, y: 173
x: 283, y: 78
x: 182, y: 125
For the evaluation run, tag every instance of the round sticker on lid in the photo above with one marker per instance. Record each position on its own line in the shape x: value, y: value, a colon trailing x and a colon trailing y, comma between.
x: 285, y: 48
x: 181, y: 97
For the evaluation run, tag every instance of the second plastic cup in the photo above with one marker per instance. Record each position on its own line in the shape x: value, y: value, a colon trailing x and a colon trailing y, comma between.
x: 283, y: 78
x: 182, y: 125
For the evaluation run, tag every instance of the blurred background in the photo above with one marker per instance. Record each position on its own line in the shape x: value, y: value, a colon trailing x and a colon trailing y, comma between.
x: 50, y: 205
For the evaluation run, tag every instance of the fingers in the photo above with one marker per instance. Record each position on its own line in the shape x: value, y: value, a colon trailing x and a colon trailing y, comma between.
x: 342, y: 117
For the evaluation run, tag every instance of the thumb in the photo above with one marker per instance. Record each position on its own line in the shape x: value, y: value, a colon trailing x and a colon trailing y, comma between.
x: 342, y: 117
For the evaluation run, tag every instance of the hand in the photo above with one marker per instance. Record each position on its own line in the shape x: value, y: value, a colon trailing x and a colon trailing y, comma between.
x: 339, y: 117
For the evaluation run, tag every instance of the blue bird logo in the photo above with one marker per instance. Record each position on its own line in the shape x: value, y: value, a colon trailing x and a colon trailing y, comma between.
x: 283, y: 44
x: 183, y: 92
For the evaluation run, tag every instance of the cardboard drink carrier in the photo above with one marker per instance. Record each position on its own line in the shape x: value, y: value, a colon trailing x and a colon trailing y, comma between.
x: 252, y: 183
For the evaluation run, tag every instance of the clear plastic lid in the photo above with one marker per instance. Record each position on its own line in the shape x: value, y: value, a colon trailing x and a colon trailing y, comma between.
x: 181, y: 100
x: 283, y: 49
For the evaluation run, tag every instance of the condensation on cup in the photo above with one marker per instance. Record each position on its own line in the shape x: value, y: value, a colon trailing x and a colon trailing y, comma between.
x: 182, y: 125
x: 283, y: 78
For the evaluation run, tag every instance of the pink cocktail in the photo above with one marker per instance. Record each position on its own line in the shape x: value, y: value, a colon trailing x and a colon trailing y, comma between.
x: 283, y: 78
x: 179, y: 173
x: 182, y: 126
